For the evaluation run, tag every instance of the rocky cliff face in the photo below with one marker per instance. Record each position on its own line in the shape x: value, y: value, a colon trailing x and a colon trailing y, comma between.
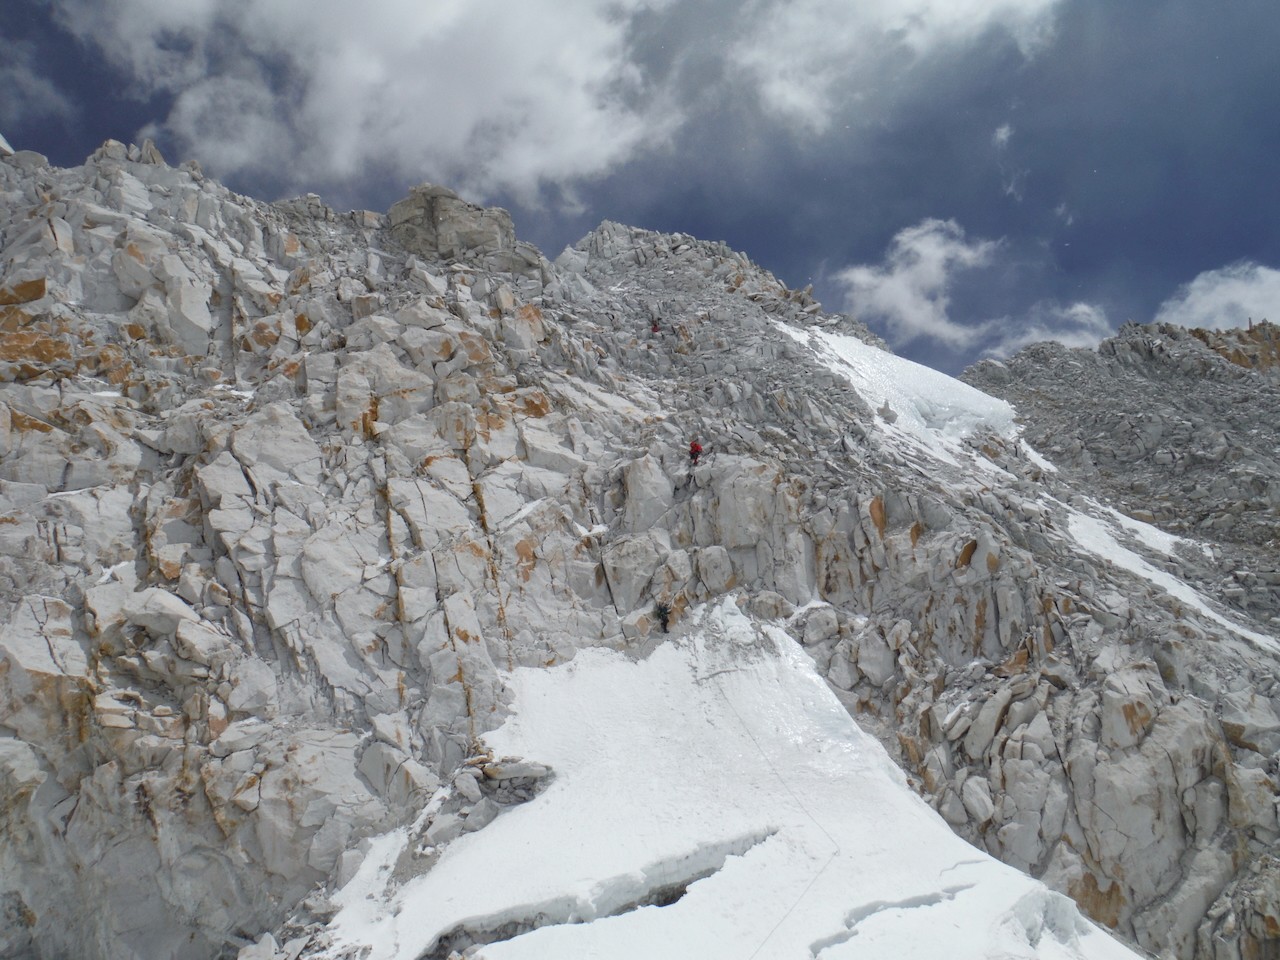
x: 1186, y: 440
x: 284, y: 493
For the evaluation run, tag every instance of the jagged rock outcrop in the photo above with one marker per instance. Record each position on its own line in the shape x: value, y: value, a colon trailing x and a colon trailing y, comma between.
x: 284, y: 492
x: 436, y: 223
x: 1257, y: 347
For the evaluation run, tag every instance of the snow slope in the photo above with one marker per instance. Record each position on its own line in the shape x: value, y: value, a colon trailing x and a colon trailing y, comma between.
x: 1097, y: 537
x: 723, y: 764
x: 931, y: 409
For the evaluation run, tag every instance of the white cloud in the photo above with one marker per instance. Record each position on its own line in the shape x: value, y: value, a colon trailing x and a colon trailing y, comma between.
x: 1012, y: 181
x: 235, y: 123
x: 909, y: 291
x: 1225, y: 298
x: 161, y: 43
x: 808, y: 58
x: 486, y: 95
x: 25, y: 94
x: 479, y: 94
x: 1076, y: 325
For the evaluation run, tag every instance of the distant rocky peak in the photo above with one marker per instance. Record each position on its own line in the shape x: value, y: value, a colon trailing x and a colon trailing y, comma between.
x: 1255, y: 347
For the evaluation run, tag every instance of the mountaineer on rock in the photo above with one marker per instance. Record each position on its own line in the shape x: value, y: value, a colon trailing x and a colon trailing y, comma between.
x: 663, y: 610
x: 695, y: 451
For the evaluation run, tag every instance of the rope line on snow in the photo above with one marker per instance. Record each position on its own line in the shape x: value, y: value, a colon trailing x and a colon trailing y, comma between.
x: 799, y: 803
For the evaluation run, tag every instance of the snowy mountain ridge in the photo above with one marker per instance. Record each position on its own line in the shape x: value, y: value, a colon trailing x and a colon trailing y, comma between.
x: 361, y: 598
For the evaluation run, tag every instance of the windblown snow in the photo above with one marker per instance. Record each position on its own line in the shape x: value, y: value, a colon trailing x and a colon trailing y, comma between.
x: 721, y: 777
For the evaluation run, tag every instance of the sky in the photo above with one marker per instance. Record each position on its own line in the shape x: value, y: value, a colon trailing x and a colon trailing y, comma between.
x: 966, y: 176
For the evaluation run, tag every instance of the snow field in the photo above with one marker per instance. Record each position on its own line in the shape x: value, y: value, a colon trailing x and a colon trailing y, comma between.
x: 722, y: 762
x: 933, y: 410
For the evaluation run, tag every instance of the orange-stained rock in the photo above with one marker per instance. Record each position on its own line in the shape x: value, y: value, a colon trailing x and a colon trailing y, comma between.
x: 1104, y: 906
x: 877, y: 514
x: 24, y: 291
x: 15, y: 318
x: 23, y: 423
x: 31, y: 353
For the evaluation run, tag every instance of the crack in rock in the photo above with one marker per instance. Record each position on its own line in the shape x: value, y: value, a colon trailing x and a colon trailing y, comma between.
x: 859, y: 914
x: 660, y: 884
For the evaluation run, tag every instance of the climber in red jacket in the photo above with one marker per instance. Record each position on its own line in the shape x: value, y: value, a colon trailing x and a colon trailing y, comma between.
x: 695, y: 451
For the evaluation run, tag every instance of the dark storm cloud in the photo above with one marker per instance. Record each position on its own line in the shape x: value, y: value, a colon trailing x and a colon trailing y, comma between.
x: 26, y: 95
x: 808, y: 203
x: 789, y: 194
x: 67, y: 99
x: 1132, y: 153
x: 1144, y: 155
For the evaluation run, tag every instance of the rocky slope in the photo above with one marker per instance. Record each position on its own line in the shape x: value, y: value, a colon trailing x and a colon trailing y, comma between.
x: 284, y: 493
x: 1188, y: 440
